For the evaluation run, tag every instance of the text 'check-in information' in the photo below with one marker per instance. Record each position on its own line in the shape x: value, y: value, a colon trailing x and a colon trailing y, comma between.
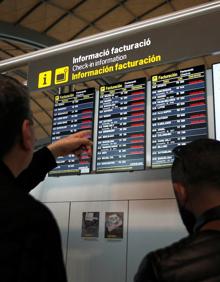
x: 121, y: 126
x: 73, y: 112
x: 179, y: 112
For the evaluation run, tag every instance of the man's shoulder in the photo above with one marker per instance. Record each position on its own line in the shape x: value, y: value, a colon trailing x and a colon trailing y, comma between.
x: 37, y: 209
x: 184, y: 257
x: 181, y: 258
x: 24, y: 207
x: 183, y: 248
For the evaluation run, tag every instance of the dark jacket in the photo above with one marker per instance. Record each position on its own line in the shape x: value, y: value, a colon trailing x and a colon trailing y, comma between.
x: 193, y: 259
x: 30, y: 245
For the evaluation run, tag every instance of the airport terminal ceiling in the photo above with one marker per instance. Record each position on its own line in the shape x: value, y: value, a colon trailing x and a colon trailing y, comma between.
x: 50, y: 22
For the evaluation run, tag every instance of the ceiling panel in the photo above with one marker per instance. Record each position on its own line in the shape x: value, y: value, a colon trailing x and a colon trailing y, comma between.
x: 42, y: 17
x: 44, y: 102
x: 13, y: 10
x: 190, y: 63
x: 25, y: 7
x: 212, y: 59
x: 138, y: 7
x: 66, y: 28
x: 87, y: 32
x: 25, y: 47
x: 91, y: 9
x: 34, y: 106
x: 16, y: 52
x: 162, y: 10
x: 39, y: 132
x: 4, y: 46
x: 3, y: 55
x: 117, y: 18
x: 6, y: 6
x: 66, y: 4
x: 24, y: 4
x: 35, y: 19
x: 43, y: 98
x: 7, y: 13
x: 179, y: 5
x: 42, y: 117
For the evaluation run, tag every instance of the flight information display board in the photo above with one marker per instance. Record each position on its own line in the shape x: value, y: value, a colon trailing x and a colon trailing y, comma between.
x: 73, y: 112
x: 121, y: 127
x: 179, y: 111
x: 216, y: 86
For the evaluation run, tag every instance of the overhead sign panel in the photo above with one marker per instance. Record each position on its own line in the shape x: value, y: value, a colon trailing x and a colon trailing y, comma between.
x: 128, y: 51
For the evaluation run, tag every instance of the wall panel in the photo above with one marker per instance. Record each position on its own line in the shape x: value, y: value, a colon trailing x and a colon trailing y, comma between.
x: 96, y: 260
x: 152, y: 224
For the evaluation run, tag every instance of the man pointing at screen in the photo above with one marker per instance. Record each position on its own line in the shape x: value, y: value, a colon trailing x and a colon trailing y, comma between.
x: 29, y: 239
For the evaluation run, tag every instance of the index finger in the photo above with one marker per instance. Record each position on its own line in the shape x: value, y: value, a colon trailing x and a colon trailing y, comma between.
x: 83, y: 133
x: 86, y: 142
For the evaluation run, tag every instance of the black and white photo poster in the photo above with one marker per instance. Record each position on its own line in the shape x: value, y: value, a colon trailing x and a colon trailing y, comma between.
x: 114, y: 222
x: 90, y: 225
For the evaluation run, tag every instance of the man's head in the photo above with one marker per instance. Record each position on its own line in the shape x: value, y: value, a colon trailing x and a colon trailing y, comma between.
x: 17, y: 137
x: 196, y: 178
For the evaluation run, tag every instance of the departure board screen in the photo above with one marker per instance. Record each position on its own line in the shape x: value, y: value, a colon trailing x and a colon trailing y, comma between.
x: 179, y: 111
x: 121, y: 127
x: 73, y: 112
x: 216, y: 82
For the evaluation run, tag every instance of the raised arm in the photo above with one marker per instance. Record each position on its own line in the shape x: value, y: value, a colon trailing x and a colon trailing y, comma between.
x: 44, y: 160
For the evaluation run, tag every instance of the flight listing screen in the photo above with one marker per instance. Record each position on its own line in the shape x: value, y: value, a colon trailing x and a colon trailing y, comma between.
x: 121, y: 127
x: 179, y: 111
x: 73, y: 112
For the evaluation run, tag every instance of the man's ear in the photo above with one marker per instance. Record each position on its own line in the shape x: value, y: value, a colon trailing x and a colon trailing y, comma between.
x: 180, y: 192
x: 26, y: 136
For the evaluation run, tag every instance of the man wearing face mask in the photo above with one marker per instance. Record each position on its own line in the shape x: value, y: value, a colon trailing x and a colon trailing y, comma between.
x: 196, y: 182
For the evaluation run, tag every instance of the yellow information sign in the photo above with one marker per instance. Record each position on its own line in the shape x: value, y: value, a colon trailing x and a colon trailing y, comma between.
x: 61, y: 75
x: 44, y: 79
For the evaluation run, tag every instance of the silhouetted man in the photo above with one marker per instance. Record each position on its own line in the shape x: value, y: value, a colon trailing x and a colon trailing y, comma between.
x: 30, y: 245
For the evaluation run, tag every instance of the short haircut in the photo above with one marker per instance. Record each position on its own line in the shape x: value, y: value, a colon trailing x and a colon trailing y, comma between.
x: 197, y: 163
x: 14, y: 109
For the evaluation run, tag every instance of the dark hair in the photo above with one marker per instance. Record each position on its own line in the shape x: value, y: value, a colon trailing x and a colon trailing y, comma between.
x: 14, y: 109
x: 197, y: 163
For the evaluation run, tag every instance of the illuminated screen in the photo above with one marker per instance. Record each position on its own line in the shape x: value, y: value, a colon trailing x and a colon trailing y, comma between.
x: 73, y: 112
x: 179, y: 111
x: 121, y: 126
x: 216, y: 82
